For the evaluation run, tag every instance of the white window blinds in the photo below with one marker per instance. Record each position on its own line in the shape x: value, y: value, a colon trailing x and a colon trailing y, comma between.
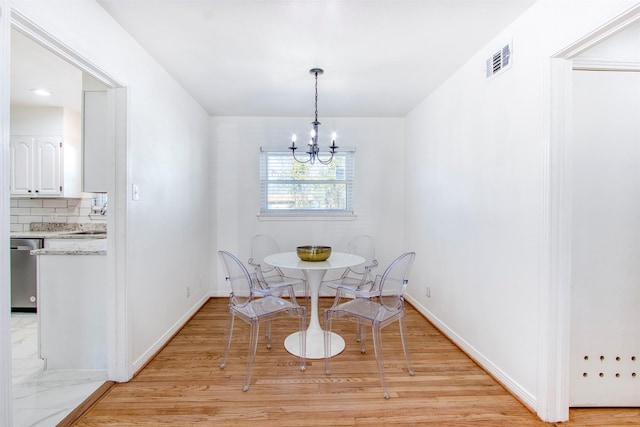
x: 287, y: 186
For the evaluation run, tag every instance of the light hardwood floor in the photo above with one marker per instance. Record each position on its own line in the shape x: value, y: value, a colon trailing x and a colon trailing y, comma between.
x: 183, y: 385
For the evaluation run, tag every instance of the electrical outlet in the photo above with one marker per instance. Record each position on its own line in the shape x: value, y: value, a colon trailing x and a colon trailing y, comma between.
x: 428, y: 292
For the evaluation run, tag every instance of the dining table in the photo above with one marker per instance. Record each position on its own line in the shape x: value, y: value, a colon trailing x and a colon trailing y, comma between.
x: 314, y: 272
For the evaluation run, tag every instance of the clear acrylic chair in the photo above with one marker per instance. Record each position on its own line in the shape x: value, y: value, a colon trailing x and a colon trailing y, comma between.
x: 253, y: 305
x: 359, y: 277
x: 378, y: 307
x: 270, y: 277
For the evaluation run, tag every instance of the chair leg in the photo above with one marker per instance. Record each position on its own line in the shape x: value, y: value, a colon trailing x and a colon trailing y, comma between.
x: 253, y: 346
x: 362, y: 335
x: 228, y: 343
x: 377, y: 348
x: 268, y: 334
x: 405, y: 348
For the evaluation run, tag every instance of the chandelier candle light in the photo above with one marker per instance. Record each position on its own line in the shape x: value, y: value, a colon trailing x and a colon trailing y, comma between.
x: 314, y: 150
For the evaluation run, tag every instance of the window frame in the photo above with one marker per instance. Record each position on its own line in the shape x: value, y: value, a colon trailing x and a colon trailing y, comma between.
x: 348, y: 181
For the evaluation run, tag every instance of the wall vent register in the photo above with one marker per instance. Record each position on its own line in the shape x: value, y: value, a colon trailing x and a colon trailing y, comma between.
x: 499, y: 61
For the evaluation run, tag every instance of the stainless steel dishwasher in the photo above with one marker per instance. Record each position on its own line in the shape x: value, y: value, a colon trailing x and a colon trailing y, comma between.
x: 23, y: 274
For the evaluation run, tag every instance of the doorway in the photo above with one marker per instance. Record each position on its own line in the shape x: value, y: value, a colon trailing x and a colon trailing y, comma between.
x: 116, y: 131
x: 556, y: 313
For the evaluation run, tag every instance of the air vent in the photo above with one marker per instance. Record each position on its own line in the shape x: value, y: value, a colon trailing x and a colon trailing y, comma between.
x: 500, y: 61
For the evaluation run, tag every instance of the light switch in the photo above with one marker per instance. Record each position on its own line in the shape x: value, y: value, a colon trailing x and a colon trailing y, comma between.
x: 135, y: 193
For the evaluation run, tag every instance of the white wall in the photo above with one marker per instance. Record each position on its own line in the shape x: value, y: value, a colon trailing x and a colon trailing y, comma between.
x: 379, y: 195
x: 43, y: 121
x: 474, y: 199
x: 168, y: 158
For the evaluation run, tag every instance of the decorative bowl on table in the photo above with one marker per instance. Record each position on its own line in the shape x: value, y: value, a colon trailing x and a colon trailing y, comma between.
x: 313, y: 253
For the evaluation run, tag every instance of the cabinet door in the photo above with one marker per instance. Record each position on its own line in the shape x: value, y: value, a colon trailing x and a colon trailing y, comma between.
x: 48, y: 174
x: 22, y: 165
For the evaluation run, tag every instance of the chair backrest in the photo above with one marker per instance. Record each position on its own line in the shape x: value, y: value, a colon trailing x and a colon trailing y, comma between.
x: 238, y: 277
x: 363, y: 246
x: 262, y: 246
x: 393, y: 281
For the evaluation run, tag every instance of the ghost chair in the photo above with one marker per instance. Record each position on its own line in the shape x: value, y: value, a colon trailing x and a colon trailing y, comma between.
x: 254, y: 305
x: 359, y: 277
x: 378, y: 307
x: 270, y: 277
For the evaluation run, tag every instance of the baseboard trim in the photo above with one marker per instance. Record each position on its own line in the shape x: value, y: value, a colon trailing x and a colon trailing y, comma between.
x: 147, y: 356
x: 526, y: 398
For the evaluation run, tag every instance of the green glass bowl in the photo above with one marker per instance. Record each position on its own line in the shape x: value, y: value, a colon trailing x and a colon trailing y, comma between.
x: 313, y: 253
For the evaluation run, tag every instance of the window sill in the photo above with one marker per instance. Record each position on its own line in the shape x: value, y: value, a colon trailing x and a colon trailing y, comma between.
x: 307, y: 217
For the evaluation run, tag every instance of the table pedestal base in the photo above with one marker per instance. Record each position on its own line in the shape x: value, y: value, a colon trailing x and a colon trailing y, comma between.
x: 315, y: 344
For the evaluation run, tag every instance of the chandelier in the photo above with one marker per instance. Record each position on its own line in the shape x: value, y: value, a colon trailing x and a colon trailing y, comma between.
x: 312, y: 147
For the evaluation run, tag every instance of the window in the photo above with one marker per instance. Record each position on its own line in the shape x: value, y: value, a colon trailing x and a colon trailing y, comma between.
x: 287, y: 186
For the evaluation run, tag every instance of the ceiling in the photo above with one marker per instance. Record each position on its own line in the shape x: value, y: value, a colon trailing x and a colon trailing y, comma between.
x: 34, y: 67
x: 252, y: 57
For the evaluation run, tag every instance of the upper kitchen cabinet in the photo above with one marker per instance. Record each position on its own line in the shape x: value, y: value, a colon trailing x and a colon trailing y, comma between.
x: 94, y: 142
x: 36, y: 169
x: 45, y: 152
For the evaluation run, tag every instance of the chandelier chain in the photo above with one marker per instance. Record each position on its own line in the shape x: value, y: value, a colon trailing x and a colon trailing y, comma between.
x: 316, y: 96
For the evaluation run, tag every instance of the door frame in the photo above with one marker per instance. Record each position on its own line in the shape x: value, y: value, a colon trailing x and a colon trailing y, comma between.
x: 119, y: 366
x: 555, y: 289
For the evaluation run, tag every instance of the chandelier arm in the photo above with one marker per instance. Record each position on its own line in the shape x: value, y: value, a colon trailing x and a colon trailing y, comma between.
x: 325, y: 162
x: 293, y: 152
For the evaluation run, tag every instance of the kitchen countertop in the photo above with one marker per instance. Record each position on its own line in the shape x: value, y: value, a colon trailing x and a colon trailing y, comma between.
x: 54, y: 235
x: 72, y: 242
x: 76, y: 247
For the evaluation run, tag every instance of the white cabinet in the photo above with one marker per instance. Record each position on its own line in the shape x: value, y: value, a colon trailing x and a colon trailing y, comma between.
x: 21, y: 181
x: 95, y: 148
x: 72, y: 313
x: 37, y: 167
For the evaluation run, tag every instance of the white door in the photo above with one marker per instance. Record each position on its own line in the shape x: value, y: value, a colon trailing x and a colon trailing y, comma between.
x: 21, y: 165
x: 605, y: 293
x: 48, y: 172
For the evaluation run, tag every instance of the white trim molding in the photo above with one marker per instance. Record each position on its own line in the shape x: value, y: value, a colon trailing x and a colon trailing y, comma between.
x: 554, y: 291
x: 597, y: 64
x: 6, y: 401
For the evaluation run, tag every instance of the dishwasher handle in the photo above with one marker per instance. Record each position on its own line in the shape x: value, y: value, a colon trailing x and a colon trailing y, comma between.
x: 21, y: 248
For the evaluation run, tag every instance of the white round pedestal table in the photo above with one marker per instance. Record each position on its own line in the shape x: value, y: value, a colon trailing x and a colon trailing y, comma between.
x: 314, y: 273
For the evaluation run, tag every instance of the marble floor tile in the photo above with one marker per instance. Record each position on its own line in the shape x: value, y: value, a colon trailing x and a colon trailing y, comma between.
x: 42, y: 398
x: 24, y: 347
x: 51, y: 395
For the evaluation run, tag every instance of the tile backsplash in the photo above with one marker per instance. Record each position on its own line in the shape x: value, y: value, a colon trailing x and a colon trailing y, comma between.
x: 25, y: 211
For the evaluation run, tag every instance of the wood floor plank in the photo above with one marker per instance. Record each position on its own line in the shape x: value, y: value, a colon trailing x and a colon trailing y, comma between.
x: 183, y: 385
